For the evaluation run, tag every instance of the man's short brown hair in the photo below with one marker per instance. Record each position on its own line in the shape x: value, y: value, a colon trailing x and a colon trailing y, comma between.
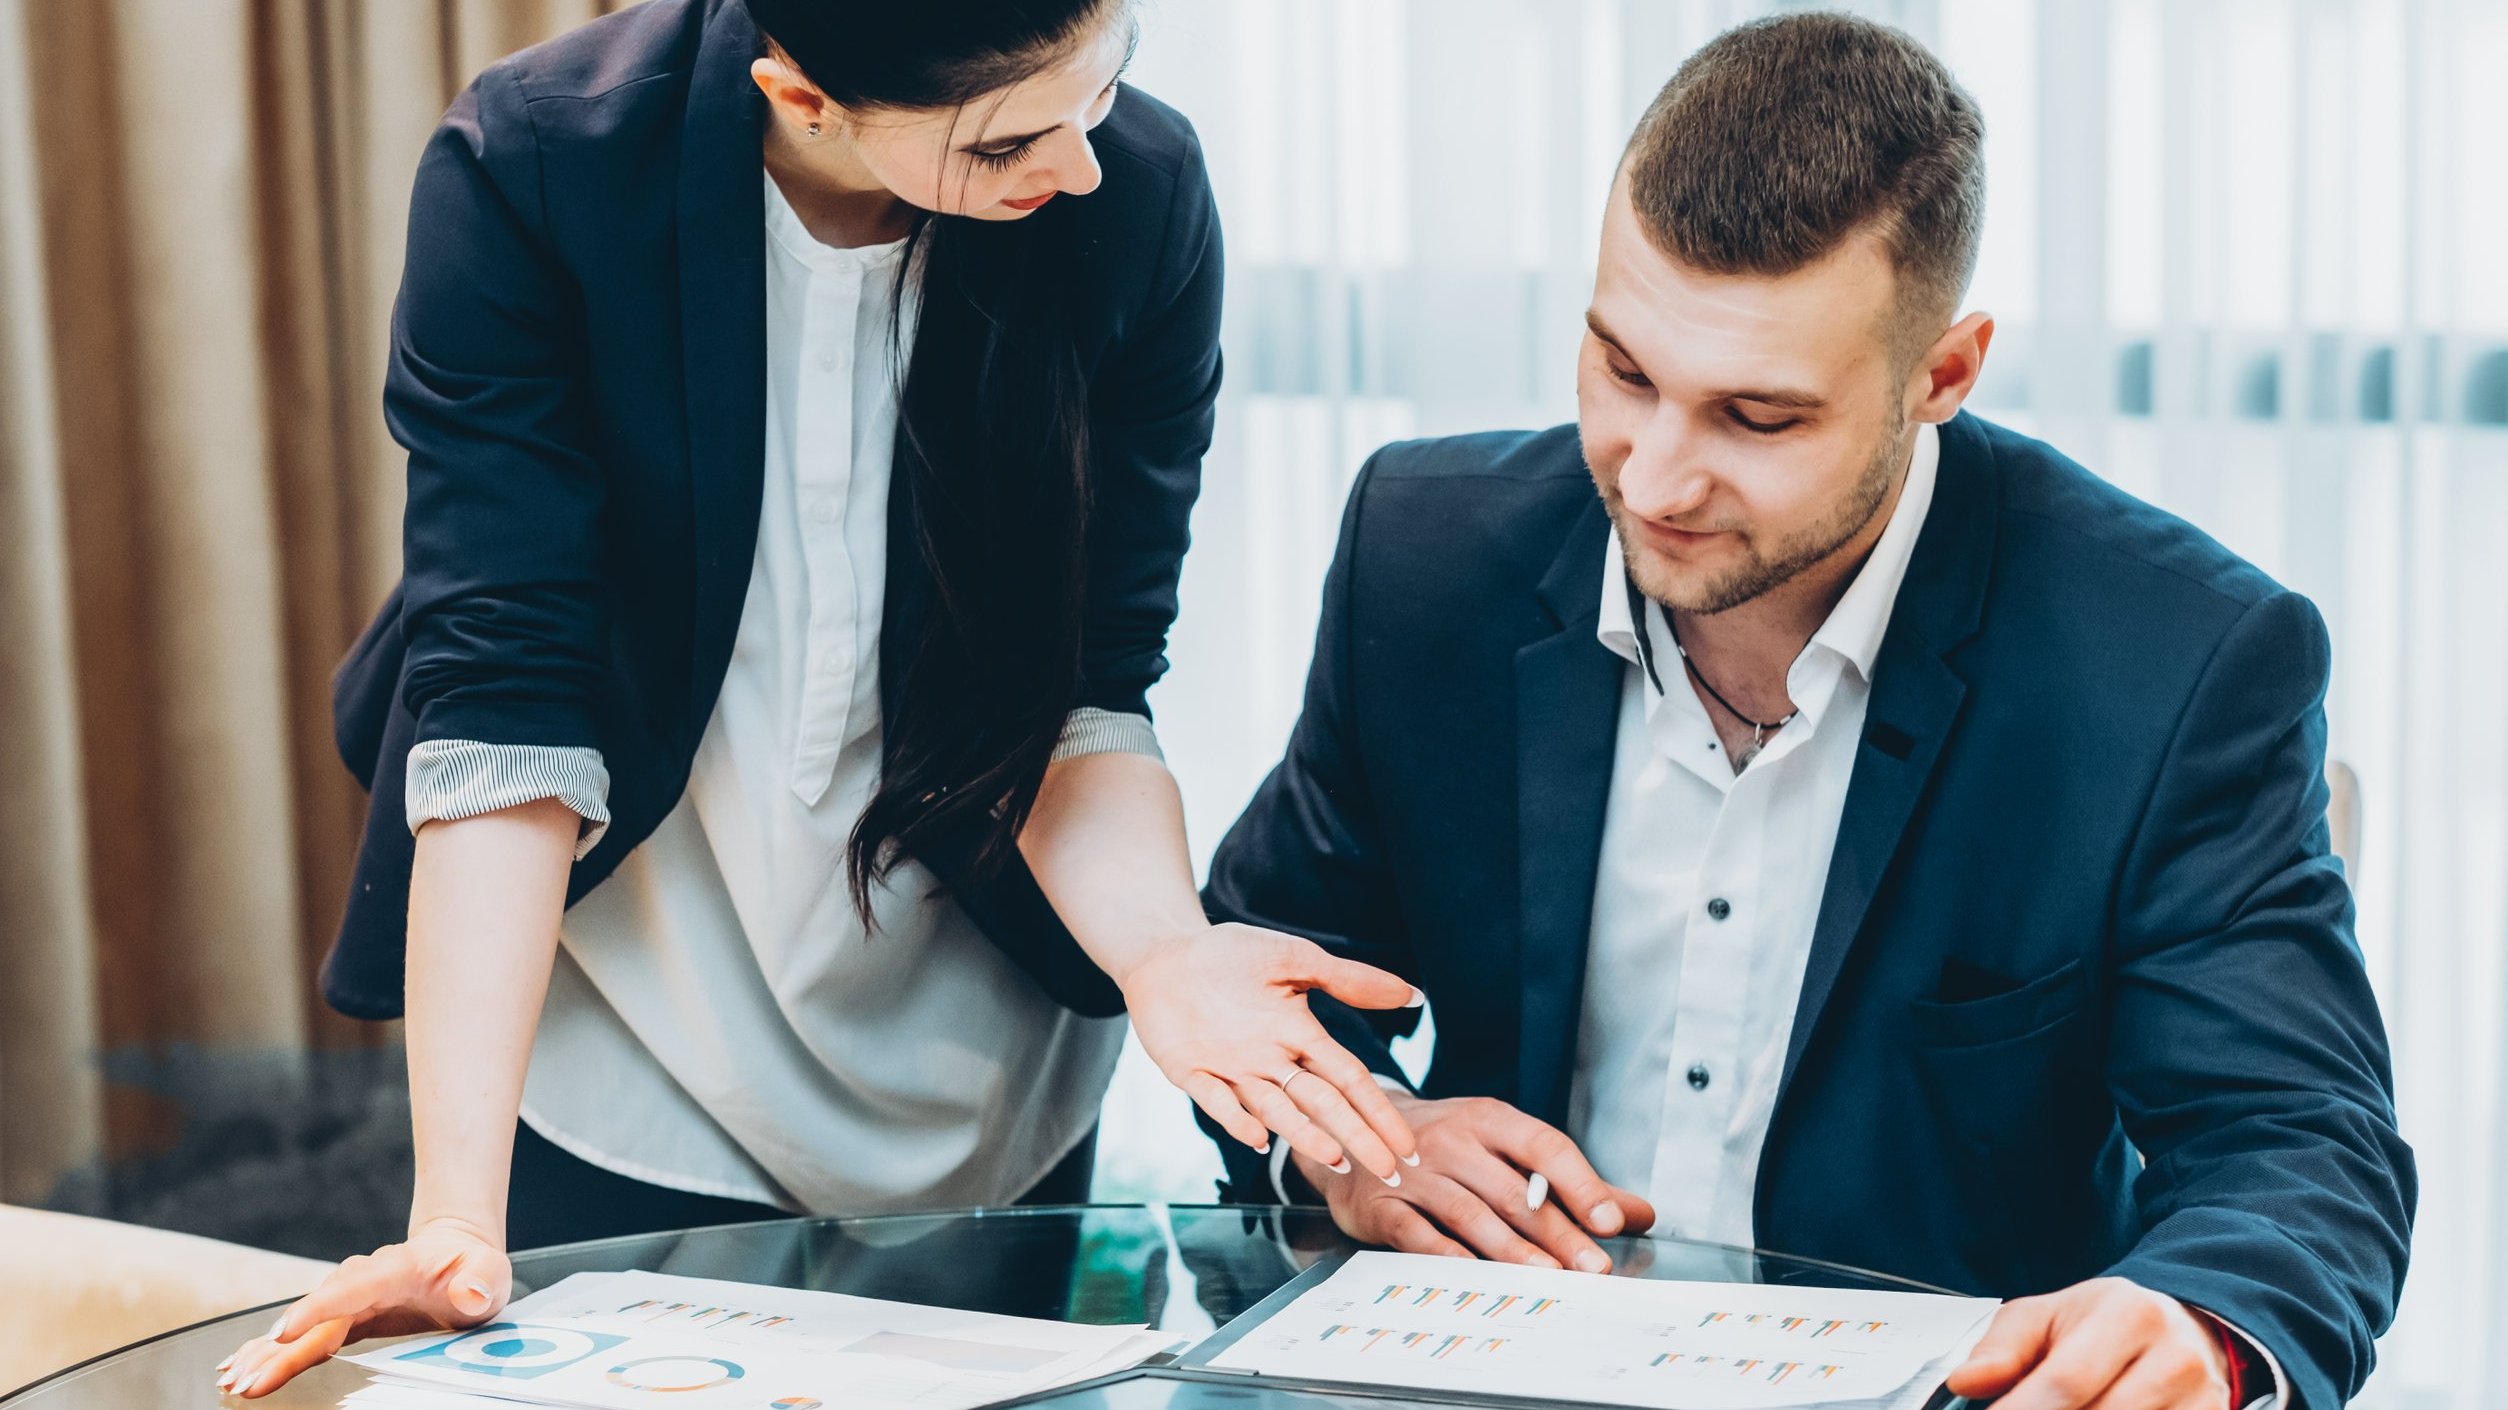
x: 1785, y: 136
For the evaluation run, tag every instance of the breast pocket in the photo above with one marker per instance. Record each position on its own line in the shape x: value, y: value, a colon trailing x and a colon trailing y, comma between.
x: 2010, y: 1016
x: 2010, y: 1077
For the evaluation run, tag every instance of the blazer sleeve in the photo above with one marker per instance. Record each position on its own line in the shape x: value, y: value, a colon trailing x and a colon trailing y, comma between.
x: 505, y: 617
x: 1152, y: 421
x: 1307, y: 856
x: 2246, y: 1053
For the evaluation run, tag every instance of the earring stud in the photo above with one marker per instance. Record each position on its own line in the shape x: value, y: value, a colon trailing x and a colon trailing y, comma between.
x: 814, y: 129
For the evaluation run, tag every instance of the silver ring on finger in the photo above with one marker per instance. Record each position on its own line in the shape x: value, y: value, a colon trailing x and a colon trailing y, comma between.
x: 1294, y: 1074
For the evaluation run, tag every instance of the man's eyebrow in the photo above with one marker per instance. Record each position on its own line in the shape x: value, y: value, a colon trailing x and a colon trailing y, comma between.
x: 1012, y: 144
x: 1791, y: 398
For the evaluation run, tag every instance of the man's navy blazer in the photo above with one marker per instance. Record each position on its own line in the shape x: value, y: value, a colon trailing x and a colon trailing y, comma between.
x: 2089, y: 796
x: 578, y: 372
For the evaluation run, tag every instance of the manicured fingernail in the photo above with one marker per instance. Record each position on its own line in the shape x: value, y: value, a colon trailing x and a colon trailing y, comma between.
x: 1536, y: 1190
x: 1418, y: 999
x: 1411, y: 1160
x: 1607, y: 1218
x: 1543, y: 1260
x: 226, y: 1363
x: 1591, y: 1261
x: 1263, y: 1149
x: 473, y: 1295
x: 227, y: 1381
x: 1392, y: 1181
x: 246, y: 1388
x: 1342, y: 1169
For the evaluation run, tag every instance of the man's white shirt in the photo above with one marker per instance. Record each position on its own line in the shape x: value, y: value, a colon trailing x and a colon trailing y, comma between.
x: 1708, y: 888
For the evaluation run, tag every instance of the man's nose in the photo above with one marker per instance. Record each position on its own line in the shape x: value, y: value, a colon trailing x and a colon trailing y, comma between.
x: 1664, y: 476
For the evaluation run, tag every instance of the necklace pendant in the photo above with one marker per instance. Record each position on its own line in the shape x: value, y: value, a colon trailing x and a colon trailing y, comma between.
x: 1749, y: 752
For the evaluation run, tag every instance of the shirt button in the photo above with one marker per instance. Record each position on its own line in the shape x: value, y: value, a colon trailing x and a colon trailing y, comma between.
x: 1719, y: 908
x: 1698, y: 1076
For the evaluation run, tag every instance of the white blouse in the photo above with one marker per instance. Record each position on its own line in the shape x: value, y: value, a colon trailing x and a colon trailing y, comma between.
x: 719, y: 1020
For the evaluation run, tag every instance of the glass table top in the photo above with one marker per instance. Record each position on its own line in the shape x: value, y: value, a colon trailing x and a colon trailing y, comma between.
x: 1185, y: 1269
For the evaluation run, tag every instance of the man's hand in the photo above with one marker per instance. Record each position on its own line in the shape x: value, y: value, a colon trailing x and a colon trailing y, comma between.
x: 2107, y: 1344
x: 1466, y: 1199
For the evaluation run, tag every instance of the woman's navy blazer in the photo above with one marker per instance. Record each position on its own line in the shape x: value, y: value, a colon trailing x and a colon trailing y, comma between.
x: 578, y: 373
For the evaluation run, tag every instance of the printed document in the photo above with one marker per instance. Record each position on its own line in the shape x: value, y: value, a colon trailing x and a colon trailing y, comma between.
x: 1425, y: 1323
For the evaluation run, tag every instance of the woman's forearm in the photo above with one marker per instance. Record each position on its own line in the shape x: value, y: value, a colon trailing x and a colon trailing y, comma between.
x: 485, y: 897
x: 1106, y: 843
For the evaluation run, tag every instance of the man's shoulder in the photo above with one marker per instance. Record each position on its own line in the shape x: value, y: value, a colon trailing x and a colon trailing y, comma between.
x: 1538, y: 460
x: 1477, y: 519
x: 2065, y: 529
x: 1493, y: 500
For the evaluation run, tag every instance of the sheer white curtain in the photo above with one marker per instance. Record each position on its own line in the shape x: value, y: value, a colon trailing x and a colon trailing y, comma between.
x: 2249, y: 258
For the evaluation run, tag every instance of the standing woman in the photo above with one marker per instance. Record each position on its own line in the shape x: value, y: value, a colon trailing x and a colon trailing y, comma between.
x: 804, y: 401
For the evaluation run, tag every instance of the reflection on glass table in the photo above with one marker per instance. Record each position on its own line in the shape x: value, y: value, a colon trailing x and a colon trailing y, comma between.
x: 1186, y: 1269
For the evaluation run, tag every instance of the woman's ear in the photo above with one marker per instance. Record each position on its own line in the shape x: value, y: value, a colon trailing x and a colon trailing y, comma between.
x: 791, y: 95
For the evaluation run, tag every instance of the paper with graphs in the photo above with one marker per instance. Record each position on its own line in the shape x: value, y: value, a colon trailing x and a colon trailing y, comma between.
x: 619, y: 1341
x: 1502, y: 1329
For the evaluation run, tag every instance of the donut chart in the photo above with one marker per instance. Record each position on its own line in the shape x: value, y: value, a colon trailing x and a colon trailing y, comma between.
x: 514, y: 1350
x: 672, y: 1374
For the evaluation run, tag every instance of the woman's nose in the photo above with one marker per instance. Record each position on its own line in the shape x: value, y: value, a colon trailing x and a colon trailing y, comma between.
x: 1076, y: 172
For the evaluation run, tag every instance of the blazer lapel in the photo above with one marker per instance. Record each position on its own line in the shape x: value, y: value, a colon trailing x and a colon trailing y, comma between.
x: 1567, y: 700
x: 722, y: 303
x: 1915, y: 701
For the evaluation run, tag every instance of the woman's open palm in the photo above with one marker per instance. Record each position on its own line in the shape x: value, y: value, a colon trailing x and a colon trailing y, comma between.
x: 1224, y: 1015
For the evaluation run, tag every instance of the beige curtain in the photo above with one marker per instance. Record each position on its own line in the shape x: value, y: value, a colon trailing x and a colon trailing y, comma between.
x: 202, y: 206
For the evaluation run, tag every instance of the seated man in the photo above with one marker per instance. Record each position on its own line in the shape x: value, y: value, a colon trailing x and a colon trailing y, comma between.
x: 1858, y: 831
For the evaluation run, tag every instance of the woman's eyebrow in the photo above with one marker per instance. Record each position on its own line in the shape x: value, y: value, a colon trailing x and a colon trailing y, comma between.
x: 1007, y: 144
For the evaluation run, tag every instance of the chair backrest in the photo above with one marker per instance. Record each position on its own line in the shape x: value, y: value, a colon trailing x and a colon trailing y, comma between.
x: 2342, y: 816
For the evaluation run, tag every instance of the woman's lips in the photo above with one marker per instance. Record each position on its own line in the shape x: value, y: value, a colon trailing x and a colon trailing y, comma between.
x: 1030, y: 203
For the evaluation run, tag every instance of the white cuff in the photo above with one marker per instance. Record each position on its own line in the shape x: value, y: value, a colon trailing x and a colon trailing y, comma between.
x: 450, y: 779
x: 1089, y: 730
x: 2277, y: 1397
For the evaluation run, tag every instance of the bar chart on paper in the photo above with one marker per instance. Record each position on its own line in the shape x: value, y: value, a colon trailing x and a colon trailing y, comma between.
x: 1431, y: 1323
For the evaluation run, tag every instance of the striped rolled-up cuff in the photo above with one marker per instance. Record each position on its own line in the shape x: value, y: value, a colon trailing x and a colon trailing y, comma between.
x: 450, y: 779
x: 1089, y: 730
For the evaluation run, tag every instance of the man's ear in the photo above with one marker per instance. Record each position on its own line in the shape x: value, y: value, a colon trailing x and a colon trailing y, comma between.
x: 1949, y: 369
x: 788, y: 91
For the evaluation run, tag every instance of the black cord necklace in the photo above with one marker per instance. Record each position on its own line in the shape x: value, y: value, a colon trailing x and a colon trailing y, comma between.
x: 1759, y: 729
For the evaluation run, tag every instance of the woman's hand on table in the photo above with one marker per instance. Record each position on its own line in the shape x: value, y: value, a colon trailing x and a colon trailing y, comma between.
x: 1470, y: 1196
x: 1223, y: 1013
x: 448, y: 1275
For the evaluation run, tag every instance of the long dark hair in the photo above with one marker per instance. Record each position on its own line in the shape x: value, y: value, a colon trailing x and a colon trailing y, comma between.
x: 994, y: 422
